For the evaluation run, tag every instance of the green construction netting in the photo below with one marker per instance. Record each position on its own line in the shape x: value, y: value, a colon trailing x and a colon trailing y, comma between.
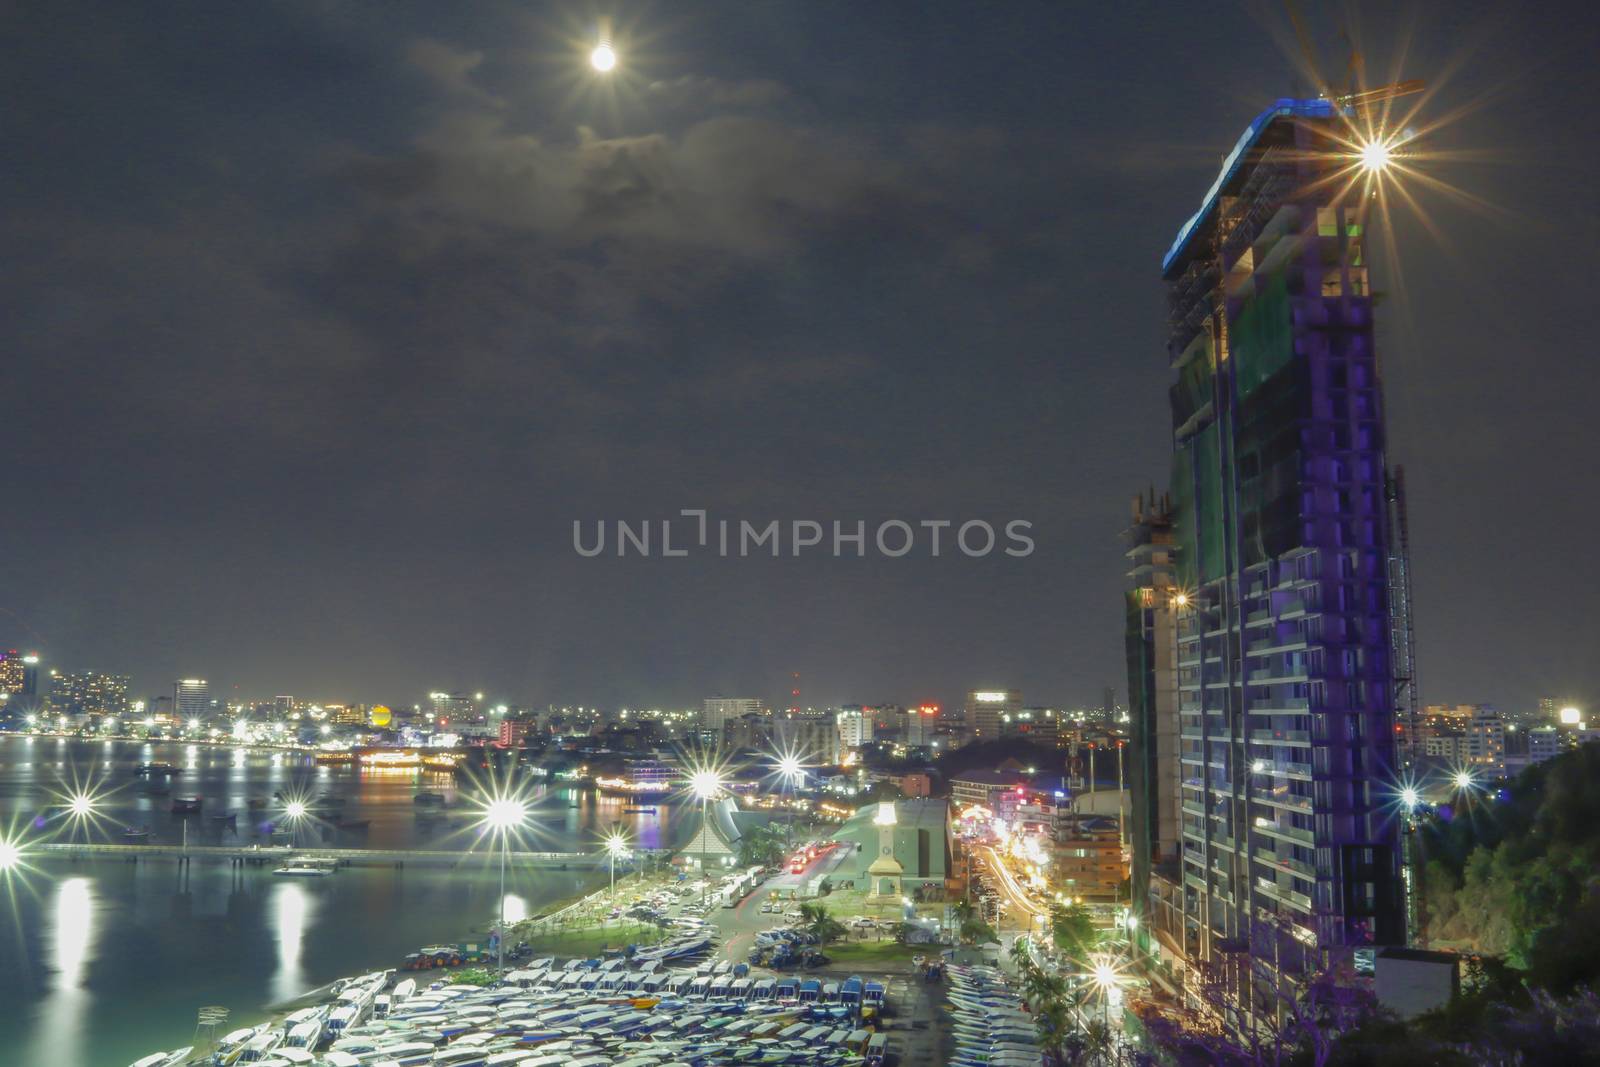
x: 1208, y: 503
x: 1261, y: 339
x: 1183, y: 517
x: 1192, y: 390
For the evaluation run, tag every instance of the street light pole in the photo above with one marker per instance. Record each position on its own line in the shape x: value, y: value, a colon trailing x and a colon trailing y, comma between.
x: 705, y: 853
x: 505, y: 847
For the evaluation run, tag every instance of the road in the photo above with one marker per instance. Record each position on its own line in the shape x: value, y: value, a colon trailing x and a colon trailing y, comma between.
x: 1016, y: 897
x: 740, y: 925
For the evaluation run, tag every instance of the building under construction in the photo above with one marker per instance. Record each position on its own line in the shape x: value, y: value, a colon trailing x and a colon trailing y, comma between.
x: 1265, y: 831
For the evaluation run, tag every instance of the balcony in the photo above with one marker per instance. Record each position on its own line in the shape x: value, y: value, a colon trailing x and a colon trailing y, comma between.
x: 1281, y: 737
x: 1285, y: 863
x: 1276, y: 892
x: 1283, y: 769
x: 1285, y: 801
x: 1282, y: 674
x: 1291, y: 834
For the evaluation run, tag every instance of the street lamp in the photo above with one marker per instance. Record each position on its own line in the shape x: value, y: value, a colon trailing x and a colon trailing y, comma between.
x: 502, y: 815
x: 1104, y: 977
x: 616, y: 846
x: 705, y: 784
x: 10, y: 856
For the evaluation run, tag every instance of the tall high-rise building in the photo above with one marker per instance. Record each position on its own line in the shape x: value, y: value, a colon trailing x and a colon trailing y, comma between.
x: 984, y: 709
x: 1154, y: 604
x: 191, y: 699
x: 813, y: 736
x: 855, y: 725
x: 1290, y: 853
x: 19, y: 674
x: 452, y: 709
x: 921, y: 724
x: 89, y: 693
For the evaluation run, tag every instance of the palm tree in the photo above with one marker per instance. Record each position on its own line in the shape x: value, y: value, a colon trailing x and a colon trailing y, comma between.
x: 1098, y: 1044
x: 816, y: 919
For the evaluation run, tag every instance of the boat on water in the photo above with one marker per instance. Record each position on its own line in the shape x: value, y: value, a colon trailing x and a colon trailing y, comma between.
x: 303, y: 872
x: 428, y: 800
x: 638, y: 811
x: 641, y: 779
x: 145, y: 770
x: 165, y: 1059
x: 135, y: 834
x: 186, y: 805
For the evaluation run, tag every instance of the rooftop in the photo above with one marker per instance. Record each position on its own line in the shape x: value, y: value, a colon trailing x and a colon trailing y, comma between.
x: 1286, y: 107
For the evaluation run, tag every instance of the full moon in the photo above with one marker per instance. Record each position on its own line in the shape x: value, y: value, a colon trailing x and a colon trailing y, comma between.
x: 603, y: 58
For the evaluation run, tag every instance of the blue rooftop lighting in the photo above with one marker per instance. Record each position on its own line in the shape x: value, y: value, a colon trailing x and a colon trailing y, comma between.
x: 1285, y: 107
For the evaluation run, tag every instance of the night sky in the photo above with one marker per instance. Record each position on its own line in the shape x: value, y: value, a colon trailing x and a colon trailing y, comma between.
x: 323, y: 322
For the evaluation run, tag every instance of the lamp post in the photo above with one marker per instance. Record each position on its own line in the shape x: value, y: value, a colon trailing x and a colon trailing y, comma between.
x: 791, y: 772
x: 1105, y: 980
x: 502, y: 816
x: 706, y: 784
x: 616, y: 845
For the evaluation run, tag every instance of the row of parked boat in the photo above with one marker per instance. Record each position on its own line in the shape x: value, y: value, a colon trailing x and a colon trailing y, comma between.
x: 991, y: 1027
x: 615, y: 1012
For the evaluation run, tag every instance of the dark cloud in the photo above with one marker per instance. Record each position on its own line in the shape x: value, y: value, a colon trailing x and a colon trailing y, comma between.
x: 325, y: 321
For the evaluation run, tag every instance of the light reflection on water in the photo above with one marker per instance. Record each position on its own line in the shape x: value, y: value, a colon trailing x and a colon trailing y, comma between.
x: 64, y: 1011
x: 102, y: 962
x: 292, y: 908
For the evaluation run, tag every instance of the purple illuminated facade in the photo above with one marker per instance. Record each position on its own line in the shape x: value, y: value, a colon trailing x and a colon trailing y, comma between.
x: 1288, y: 857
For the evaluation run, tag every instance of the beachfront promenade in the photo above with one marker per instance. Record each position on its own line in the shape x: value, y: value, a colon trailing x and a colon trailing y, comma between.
x: 247, y: 855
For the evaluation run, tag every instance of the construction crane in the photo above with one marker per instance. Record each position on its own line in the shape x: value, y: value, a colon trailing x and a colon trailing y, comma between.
x: 1349, y: 97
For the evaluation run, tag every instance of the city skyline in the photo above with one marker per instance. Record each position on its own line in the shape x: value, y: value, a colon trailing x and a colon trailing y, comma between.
x: 240, y: 453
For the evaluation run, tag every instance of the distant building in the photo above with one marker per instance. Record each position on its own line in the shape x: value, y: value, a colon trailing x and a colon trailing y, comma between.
x: 1038, y: 725
x: 910, y: 783
x: 89, y: 693
x: 717, y: 712
x: 984, y: 710
x: 346, y: 714
x: 855, y: 727
x: 1544, y: 743
x: 750, y: 730
x: 811, y: 735
x: 19, y: 674
x: 191, y: 699
x: 1486, y: 740
x: 921, y: 726
x: 1087, y: 859
x: 452, y: 709
x: 979, y: 787
x: 513, y: 732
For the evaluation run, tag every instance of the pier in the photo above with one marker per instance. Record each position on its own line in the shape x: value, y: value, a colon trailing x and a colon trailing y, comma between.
x: 247, y: 856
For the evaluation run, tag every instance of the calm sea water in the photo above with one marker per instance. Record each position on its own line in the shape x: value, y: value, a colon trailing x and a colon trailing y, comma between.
x: 102, y: 961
